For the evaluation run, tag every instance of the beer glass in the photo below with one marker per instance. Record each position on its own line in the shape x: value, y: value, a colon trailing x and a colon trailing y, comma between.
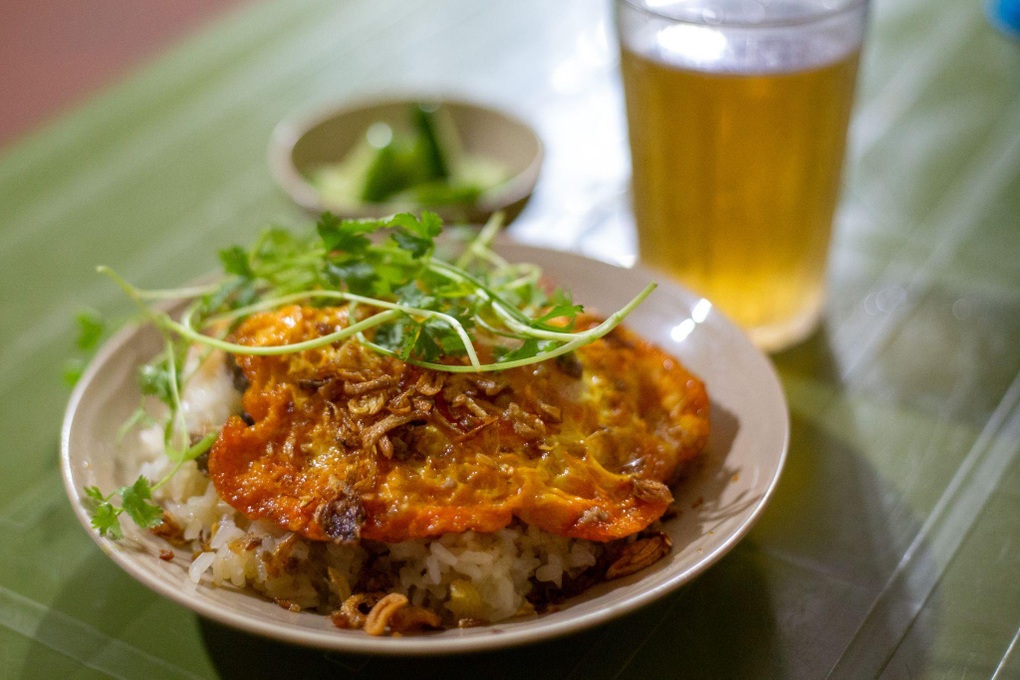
x: 737, y: 112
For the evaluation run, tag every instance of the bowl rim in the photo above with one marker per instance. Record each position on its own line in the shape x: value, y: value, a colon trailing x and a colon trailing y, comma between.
x: 292, y: 128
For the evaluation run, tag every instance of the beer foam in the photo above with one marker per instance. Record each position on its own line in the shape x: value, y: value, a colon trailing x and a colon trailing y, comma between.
x: 749, y: 37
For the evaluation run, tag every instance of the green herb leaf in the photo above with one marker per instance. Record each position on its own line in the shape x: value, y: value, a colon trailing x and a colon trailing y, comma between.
x: 154, y: 380
x: 416, y: 245
x: 73, y: 370
x: 356, y: 276
x: 561, y: 304
x: 411, y: 295
x: 345, y: 235
x: 428, y: 226
x: 235, y: 261
x: 93, y: 493
x: 137, y: 500
x: 91, y: 327
x: 106, y: 519
x: 91, y: 330
x: 398, y: 336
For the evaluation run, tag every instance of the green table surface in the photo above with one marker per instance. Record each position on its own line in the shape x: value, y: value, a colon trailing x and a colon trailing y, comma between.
x: 892, y: 545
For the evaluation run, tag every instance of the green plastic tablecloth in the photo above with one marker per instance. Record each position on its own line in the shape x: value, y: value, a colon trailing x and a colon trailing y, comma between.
x: 892, y: 546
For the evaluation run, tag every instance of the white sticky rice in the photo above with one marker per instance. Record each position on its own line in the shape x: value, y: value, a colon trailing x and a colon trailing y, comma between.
x: 461, y: 577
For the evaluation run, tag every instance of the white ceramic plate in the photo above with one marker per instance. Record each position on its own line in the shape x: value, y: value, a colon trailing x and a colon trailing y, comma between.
x: 718, y: 504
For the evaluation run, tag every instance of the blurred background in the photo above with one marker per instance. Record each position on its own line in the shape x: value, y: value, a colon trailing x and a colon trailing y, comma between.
x: 57, y: 54
x: 135, y: 133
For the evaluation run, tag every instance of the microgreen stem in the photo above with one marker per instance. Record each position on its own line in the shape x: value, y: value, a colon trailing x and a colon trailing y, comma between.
x: 577, y: 340
x: 274, y: 350
x: 480, y: 247
x: 394, y: 310
x: 179, y: 427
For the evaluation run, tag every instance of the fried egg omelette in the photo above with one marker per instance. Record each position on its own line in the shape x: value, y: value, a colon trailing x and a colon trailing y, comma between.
x: 342, y: 443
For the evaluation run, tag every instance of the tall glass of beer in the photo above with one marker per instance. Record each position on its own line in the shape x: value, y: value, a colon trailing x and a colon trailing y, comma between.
x: 738, y: 113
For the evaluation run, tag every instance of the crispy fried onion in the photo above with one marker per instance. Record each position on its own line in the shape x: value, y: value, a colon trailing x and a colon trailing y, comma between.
x: 379, y: 614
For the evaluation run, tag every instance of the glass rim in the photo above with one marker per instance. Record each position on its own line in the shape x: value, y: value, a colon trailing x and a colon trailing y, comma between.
x: 804, y: 20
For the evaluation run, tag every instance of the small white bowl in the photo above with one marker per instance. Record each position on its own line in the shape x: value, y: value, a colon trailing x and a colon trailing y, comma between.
x: 303, y: 143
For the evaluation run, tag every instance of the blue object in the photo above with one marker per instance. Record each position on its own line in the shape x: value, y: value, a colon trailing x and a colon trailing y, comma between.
x: 1005, y: 16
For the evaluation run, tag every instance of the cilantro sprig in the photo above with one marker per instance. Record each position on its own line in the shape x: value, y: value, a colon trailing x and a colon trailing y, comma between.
x: 91, y: 331
x: 136, y: 499
x: 476, y: 313
x: 137, y: 503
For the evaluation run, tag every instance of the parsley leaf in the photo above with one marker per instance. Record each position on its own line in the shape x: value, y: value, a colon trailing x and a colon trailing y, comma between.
x: 528, y: 349
x: 561, y: 304
x: 411, y: 295
x: 428, y: 226
x: 91, y: 327
x: 354, y: 275
x: 154, y: 381
x: 73, y: 370
x: 91, y: 330
x: 137, y: 500
x: 344, y: 235
x: 106, y: 519
x: 235, y: 261
x: 416, y: 245
x: 137, y: 503
x: 93, y: 493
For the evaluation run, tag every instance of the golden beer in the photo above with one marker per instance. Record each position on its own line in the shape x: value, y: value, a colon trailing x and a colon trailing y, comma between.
x: 735, y: 182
